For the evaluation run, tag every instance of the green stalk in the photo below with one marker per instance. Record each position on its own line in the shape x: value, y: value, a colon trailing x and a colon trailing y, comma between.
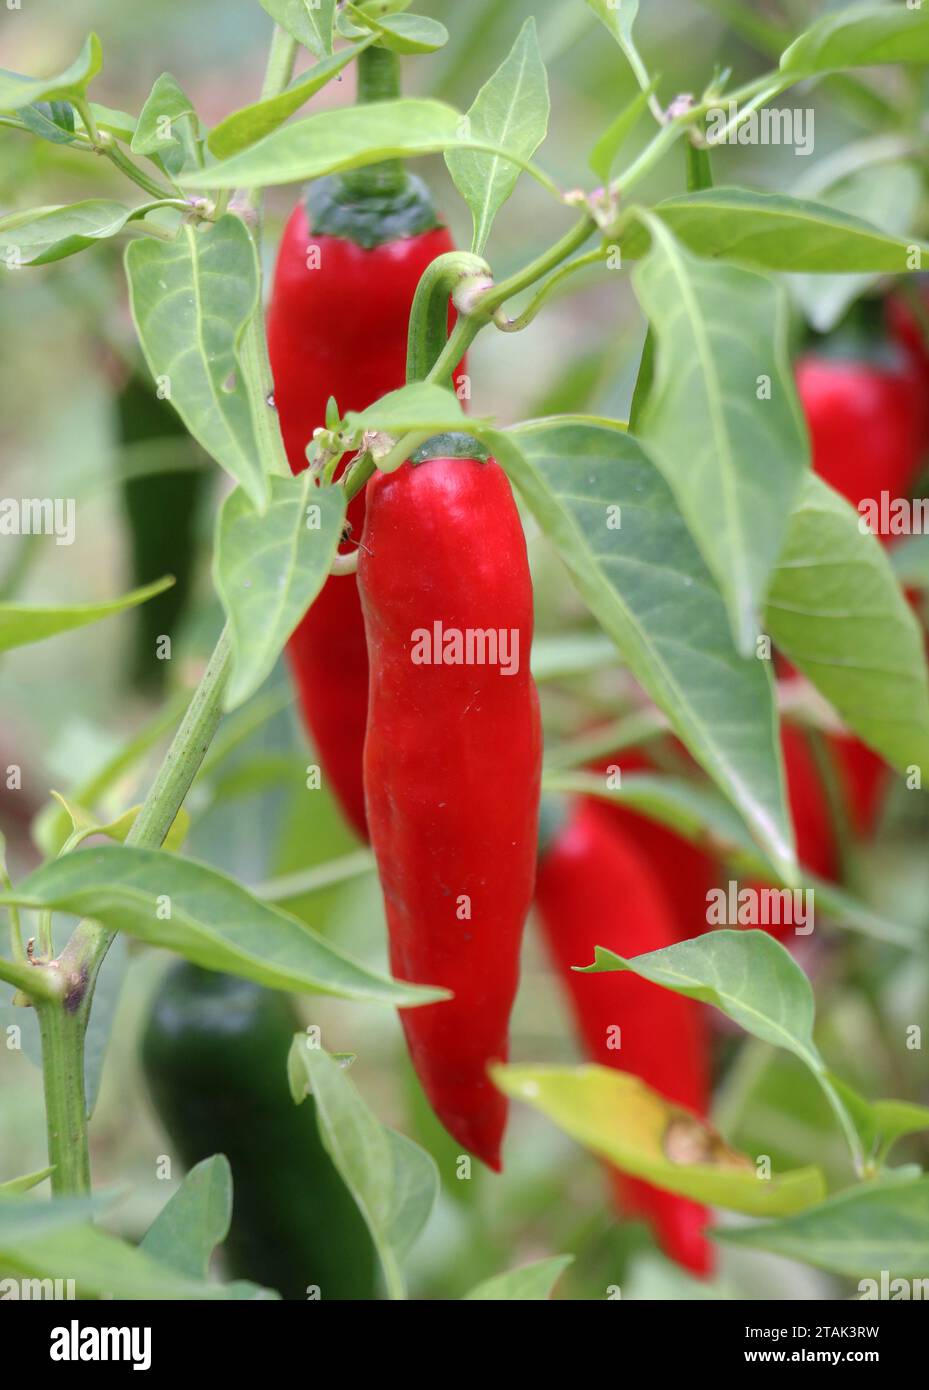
x: 378, y: 80
x: 62, y: 1033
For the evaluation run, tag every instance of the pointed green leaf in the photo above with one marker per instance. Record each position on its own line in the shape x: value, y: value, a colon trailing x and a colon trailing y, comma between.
x: 346, y: 138
x: 49, y: 234
x: 17, y: 91
x: 252, y: 123
x: 867, y: 1231
x: 269, y: 568
x: 860, y: 36
x: 420, y: 406
x: 206, y: 917
x: 168, y: 126
x: 604, y: 152
x: 21, y: 624
x: 748, y: 975
x: 194, y: 1220
x: 52, y: 121
x: 837, y: 612
x: 775, y: 232
x: 308, y: 21
x: 14, y: 1186
x: 722, y: 420
x: 191, y: 300
x: 394, y: 1182
x: 529, y: 1283
x: 618, y: 528
x: 511, y: 110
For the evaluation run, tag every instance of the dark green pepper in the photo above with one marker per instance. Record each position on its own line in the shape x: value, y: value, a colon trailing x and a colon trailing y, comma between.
x: 162, y: 508
x: 215, y: 1058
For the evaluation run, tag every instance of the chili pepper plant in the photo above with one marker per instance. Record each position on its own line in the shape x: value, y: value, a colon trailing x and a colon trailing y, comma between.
x: 400, y: 411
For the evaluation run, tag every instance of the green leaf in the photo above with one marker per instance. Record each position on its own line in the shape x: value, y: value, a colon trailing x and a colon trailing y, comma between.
x: 511, y: 110
x: 194, y: 1220
x: 52, y: 121
x: 49, y: 234
x: 102, y: 1266
x: 394, y: 1182
x: 191, y: 301
x: 113, y: 121
x: 881, y: 1122
x: 17, y: 91
x: 860, y: 1233
x: 747, y: 975
x: 529, y: 1283
x: 21, y: 624
x: 23, y: 1218
x: 252, y: 123
x: 604, y: 152
x: 269, y: 568
x: 206, y: 917
x: 329, y: 141
x: 909, y: 560
x: 837, y: 612
x: 645, y: 582
x: 775, y: 232
x: 308, y: 21
x: 409, y: 33
x: 893, y: 193
x: 860, y: 36
x: 420, y: 406
x: 722, y: 420
x: 619, y: 1118
x: 15, y: 1186
x: 84, y: 824
x: 618, y: 16
x: 168, y: 126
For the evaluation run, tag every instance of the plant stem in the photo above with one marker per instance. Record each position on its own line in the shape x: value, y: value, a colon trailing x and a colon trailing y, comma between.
x: 523, y: 320
x: 63, y: 1023
x: 378, y: 80
x: 62, y: 1033
x: 846, y: 1124
x: 572, y: 241
x: 118, y: 157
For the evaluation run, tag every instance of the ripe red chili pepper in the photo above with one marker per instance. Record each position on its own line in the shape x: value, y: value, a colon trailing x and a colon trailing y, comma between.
x: 688, y: 871
x: 867, y: 425
x: 452, y: 763
x: 597, y: 888
x: 349, y: 262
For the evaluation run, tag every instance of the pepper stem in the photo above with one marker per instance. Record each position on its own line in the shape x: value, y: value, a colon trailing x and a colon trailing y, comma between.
x: 378, y: 80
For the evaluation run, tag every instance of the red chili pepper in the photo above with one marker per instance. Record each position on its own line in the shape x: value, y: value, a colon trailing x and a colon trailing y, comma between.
x: 349, y: 263
x: 597, y: 888
x: 688, y: 871
x: 452, y: 764
x: 867, y: 423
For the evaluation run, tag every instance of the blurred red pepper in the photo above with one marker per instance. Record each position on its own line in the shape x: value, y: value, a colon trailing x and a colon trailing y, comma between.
x: 452, y: 763
x: 596, y: 887
x: 349, y: 263
x: 867, y: 423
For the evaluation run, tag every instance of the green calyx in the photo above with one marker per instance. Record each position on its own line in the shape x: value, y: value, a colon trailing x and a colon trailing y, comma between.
x: 373, y: 216
x: 450, y: 446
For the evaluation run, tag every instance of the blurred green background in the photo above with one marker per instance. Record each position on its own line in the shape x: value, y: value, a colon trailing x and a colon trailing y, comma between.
x: 67, y: 704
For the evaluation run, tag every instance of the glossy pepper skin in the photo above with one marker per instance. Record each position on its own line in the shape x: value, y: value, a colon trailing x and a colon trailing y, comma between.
x: 867, y: 425
x: 162, y: 510
x: 452, y: 767
x: 688, y: 871
x: 214, y: 1054
x: 337, y: 326
x: 596, y: 887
